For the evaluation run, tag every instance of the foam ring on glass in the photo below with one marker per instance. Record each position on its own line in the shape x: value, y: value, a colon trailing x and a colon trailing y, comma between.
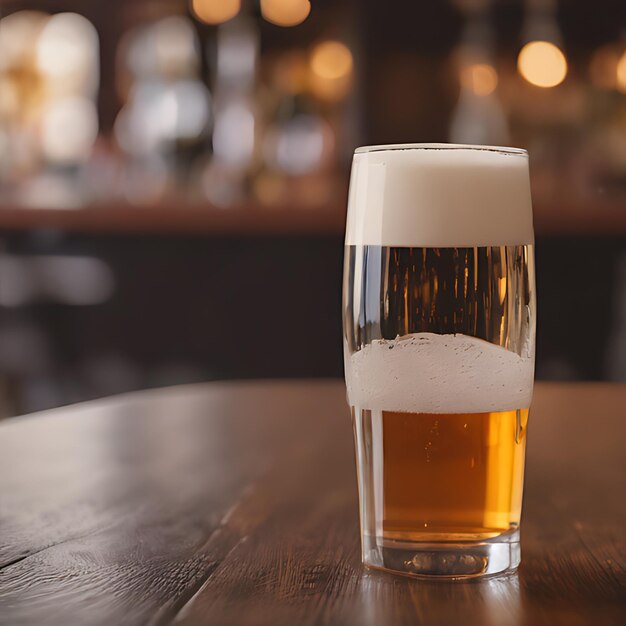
x: 439, y: 342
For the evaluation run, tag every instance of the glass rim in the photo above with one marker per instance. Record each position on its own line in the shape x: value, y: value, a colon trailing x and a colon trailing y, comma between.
x: 440, y: 146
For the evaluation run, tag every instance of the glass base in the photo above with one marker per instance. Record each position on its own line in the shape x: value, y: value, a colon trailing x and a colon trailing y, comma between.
x: 446, y: 560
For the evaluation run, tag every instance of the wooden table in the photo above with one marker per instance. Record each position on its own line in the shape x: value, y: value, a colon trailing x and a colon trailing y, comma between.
x: 235, y: 503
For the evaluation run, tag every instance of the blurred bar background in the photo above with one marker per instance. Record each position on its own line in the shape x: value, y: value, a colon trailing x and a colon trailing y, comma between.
x: 173, y: 176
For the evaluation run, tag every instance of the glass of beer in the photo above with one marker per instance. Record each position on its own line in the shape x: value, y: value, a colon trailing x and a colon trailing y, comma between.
x: 439, y: 350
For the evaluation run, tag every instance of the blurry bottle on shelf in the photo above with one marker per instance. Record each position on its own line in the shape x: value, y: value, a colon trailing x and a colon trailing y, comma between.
x: 166, y: 115
x: 298, y: 151
x: 225, y: 179
x: 303, y: 126
x: 49, y: 79
x: 549, y: 108
x: 541, y: 60
x: 479, y: 117
x: 172, y: 138
x: 606, y: 144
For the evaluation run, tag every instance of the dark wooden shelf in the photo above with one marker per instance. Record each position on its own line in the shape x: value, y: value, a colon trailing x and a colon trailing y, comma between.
x: 245, y: 220
x: 553, y: 216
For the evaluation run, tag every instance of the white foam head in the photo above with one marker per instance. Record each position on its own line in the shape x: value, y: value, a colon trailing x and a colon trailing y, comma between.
x: 430, y: 373
x: 439, y: 195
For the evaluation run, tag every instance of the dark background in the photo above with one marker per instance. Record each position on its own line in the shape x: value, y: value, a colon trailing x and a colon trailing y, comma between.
x: 192, y: 301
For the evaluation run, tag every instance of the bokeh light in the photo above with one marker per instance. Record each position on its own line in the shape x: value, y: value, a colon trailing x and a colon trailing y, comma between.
x: 233, y: 133
x: 331, y: 70
x: 331, y: 60
x: 166, y: 102
x: 67, y: 54
x: 285, y: 12
x: 479, y: 78
x: 162, y: 112
x: 542, y: 64
x: 69, y: 128
x: 168, y: 47
x: 215, y: 11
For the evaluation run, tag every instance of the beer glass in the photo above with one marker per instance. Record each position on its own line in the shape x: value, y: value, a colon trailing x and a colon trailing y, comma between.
x: 439, y: 348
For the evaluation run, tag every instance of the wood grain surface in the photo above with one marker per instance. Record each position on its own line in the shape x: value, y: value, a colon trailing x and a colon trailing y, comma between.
x: 235, y: 504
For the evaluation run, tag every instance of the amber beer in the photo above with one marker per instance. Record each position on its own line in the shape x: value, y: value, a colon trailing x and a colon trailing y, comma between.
x: 439, y: 326
x: 454, y: 476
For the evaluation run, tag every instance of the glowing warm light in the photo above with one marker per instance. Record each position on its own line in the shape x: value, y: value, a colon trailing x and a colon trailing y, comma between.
x: 331, y: 60
x: 479, y: 78
x: 285, y: 12
x: 67, y: 53
x: 69, y: 129
x: 620, y: 82
x: 542, y: 64
x: 331, y: 69
x: 215, y: 11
